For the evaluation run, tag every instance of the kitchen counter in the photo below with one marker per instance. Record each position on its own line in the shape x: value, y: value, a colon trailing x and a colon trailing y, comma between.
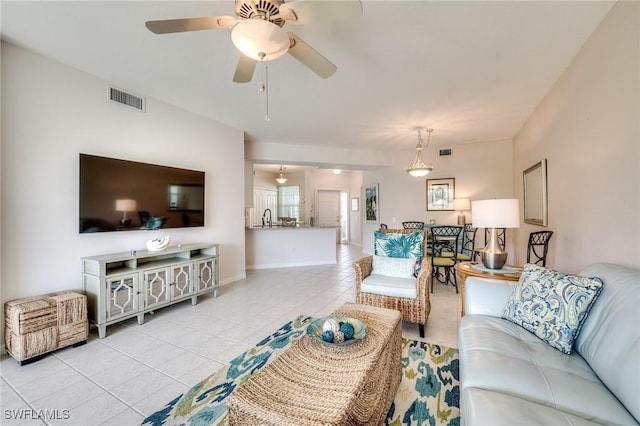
x: 287, y: 246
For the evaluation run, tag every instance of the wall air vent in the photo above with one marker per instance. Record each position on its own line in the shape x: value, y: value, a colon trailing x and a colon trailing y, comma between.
x: 445, y: 152
x: 127, y: 99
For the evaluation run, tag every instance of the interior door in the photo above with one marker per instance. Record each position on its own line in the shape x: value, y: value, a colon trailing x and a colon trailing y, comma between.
x: 329, y: 209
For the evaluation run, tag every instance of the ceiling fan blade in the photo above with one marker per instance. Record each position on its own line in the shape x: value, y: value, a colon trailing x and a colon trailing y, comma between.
x: 310, y: 57
x: 306, y: 11
x: 166, y: 26
x: 244, y: 69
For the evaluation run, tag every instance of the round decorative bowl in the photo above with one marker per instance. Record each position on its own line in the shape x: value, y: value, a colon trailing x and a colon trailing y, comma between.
x: 320, y: 325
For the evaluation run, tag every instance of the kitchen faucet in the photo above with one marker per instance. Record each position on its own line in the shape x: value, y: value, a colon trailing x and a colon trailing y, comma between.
x: 264, y: 215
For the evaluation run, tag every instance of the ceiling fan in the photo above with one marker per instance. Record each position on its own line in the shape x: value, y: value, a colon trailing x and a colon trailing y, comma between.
x: 257, y: 31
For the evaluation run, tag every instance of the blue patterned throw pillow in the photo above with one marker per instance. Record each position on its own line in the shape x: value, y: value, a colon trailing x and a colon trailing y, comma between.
x: 400, y: 245
x: 552, y: 305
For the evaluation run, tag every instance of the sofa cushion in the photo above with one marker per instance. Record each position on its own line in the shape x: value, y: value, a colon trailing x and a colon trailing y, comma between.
x: 394, y: 267
x: 390, y: 286
x: 498, y: 356
x: 498, y: 409
x: 552, y: 305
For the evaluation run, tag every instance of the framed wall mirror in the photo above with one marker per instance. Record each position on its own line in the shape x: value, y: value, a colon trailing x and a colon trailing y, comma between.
x: 534, y: 181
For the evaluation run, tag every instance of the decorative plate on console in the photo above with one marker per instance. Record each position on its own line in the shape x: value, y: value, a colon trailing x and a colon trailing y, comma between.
x: 337, y: 331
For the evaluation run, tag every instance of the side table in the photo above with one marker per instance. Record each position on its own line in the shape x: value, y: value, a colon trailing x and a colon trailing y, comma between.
x: 466, y: 269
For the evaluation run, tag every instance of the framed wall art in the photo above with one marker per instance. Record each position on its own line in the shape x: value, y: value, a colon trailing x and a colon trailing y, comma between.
x: 371, y: 200
x: 440, y: 194
x: 534, y: 181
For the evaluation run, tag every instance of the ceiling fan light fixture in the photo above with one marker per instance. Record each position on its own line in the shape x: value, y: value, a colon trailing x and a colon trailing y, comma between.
x: 260, y: 40
x: 418, y: 168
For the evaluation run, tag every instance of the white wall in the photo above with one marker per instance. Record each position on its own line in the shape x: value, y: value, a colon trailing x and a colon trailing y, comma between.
x: 481, y: 171
x: 50, y: 114
x: 355, y: 218
x: 328, y: 157
x: 587, y: 128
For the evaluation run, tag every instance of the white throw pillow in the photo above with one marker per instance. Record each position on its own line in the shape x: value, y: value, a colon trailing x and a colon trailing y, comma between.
x: 394, y: 266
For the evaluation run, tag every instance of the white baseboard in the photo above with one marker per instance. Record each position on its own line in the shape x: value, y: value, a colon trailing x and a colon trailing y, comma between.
x: 230, y: 280
x: 289, y: 265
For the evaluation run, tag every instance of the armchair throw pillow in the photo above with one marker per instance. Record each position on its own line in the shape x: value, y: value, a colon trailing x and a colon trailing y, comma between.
x: 552, y: 305
x: 394, y: 267
x: 400, y: 246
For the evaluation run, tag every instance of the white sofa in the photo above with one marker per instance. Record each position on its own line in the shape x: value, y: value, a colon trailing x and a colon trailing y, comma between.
x: 511, y: 377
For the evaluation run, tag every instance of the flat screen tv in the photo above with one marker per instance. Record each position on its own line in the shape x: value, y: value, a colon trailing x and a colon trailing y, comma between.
x: 121, y: 195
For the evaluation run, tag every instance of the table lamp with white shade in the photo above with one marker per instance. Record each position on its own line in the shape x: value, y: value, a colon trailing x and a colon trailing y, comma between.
x: 492, y: 214
x: 460, y: 205
x: 125, y: 206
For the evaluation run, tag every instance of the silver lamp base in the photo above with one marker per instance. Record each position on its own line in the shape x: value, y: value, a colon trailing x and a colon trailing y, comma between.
x: 493, y: 260
x: 493, y: 256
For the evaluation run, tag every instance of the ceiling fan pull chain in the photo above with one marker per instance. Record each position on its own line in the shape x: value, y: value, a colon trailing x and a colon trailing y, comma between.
x: 266, y: 91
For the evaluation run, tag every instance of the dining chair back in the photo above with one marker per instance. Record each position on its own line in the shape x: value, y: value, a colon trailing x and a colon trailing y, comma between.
x: 468, y: 245
x: 538, y: 247
x: 444, y: 253
x: 413, y: 225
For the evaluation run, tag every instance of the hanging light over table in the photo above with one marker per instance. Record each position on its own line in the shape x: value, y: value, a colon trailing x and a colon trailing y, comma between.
x: 418, y: 168
x: 281, y: 179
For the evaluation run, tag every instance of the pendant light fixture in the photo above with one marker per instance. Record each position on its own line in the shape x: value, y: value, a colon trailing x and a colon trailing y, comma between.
x: 281, y: 179
x: 418, y: 168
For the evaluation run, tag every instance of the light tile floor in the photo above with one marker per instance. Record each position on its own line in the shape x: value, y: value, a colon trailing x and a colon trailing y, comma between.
x: 136, y: 369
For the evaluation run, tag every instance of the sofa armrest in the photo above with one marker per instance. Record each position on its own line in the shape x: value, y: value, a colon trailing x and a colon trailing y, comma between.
x: 484, y: 296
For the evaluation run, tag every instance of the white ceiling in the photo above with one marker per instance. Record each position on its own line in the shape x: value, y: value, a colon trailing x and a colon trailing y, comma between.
x: 472, y: 70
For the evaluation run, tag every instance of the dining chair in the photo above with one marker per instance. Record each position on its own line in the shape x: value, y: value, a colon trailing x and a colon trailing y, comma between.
x: 444, y: 243
x: 413, y: 225
x: 538, y: 246
x: 467, y: 252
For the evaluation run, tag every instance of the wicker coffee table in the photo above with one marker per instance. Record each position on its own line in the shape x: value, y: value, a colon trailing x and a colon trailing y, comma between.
x: 312, y: 383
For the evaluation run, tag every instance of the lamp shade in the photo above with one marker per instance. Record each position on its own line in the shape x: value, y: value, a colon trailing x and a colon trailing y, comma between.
x: 497, y: 213
x: 125, y: 205
x: 260, y: 40
x: 460, y: 204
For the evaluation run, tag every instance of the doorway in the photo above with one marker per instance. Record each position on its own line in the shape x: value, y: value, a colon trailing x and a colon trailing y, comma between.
x: 344, y: 217
x: 333, y: 211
